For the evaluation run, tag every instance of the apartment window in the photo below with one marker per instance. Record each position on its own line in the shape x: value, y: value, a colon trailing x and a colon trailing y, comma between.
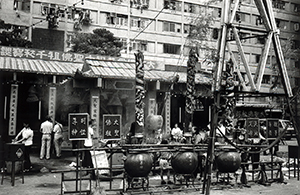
x: 111, y: 18
x: 171, y: 49
x: 278, y: 4
x: 138, y: 45
x: 295, y: 44
x: 139, y: 4
x: 258, y: 21
x: 172, y: 5
x: 281, y: 24
x: 217, y: 12
x: 116, y: 19
x: 295, y: 26
x: 257, y: 58
x: 171, y: 27
x: 215, y: 33
x: 138, y: 23
x: 297, y: 64
x: 240, y: 17
x: 121, y: 20
x: 261, y: 40
x: 22, y: 5
x: 186, y: 28
x: 189, y: 8
x: 243, y: 37
x: 297, y: 81
x: 296, y: 7
x: 231, y: 35
x: 246, y: 1
x: 266, y: 79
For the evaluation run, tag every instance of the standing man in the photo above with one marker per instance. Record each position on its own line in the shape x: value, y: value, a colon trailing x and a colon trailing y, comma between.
x: 27, y: 140
x: 46, y: 130
x: 58, y: 138
x: 88, y: 143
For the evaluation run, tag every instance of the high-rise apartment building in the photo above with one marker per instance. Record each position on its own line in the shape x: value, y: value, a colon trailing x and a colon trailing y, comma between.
x: 157, y: 27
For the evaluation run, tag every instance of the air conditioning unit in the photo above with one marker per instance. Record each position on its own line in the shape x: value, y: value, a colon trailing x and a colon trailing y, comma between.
x: 296, y: 27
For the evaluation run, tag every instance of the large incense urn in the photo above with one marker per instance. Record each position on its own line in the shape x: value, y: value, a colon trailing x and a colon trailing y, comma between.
x: 184, y: 162
x: 138, y: 165
x: 228, y: 162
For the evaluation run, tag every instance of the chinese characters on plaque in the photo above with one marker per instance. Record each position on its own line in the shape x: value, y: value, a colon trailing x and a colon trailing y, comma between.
x: 272, y: 128
x: 112, y: 126
x: 78, y: 126
x: 252, y: 127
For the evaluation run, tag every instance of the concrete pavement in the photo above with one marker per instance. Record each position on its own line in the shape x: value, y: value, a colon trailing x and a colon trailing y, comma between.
x: 40, y: 181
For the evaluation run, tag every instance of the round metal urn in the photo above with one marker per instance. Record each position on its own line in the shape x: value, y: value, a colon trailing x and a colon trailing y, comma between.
x: 138, y: 165
x: 228, y: 162
x: 184, y: 162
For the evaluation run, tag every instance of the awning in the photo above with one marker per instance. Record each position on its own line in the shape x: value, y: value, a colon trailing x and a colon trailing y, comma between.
x: 98, y: 68
x: 38, y: 66
x: 126, y: 70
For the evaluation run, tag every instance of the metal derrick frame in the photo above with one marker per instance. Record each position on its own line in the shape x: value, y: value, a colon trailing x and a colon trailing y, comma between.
x: 265, y: 10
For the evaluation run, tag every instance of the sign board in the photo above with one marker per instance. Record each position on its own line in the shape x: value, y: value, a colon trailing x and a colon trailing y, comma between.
x: 252, y: 127
x: 78, y: 126
x: 112, y: 126
x: 272, y: 128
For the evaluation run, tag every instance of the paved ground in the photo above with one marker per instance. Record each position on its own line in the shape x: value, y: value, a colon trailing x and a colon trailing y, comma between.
x: 42, y: 182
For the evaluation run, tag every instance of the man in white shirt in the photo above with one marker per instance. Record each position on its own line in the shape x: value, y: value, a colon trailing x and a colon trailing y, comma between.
x: 27, y: 140
x: 88, y: 143
x: 46, y: 130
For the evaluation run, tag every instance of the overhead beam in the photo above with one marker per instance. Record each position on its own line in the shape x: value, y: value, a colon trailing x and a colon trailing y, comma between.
x: 262, y: 63
x: 243, y: 57
x: 222, y: 44
x: 278, y: 51
x: 263, y: 13
x: 233, y: 13
x: 235, y: 64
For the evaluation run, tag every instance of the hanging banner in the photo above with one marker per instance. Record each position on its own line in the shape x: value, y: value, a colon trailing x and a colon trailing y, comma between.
x: 95, y: 112
x: 13, y: 110
x: 168, y: 113
x: 52, y: 102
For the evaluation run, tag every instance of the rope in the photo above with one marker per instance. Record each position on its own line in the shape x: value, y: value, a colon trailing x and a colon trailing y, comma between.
x: 254, y: 152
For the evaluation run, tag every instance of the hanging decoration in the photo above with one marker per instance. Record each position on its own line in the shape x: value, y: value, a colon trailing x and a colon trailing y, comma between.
x: 139, y: 92
x: 52, y: 102
x: 190, y: 86
x: 13, y: 110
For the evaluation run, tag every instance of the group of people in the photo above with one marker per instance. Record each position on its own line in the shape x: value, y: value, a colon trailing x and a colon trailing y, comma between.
x: 48, y: 127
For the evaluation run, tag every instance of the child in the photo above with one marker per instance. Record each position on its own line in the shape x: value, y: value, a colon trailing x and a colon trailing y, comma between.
x: 164, y: 164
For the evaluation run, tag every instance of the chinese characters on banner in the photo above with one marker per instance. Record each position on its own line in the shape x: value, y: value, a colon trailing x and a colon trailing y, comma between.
x: 272, y: 128
x: 52, y: 100
x: 13, y: 110
x: 78, y: 126
x: 252, y: 127
x: 168, y: 112
x: 112, y: 126
x: 41, y: 54
x: 95, y: 111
